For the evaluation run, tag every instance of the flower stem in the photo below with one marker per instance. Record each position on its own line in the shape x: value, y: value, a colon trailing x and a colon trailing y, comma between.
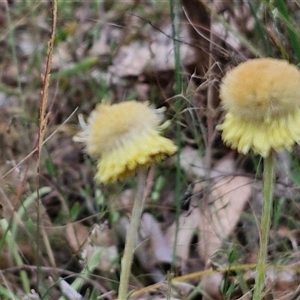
x: 268, y: 181
x: 136, y: 214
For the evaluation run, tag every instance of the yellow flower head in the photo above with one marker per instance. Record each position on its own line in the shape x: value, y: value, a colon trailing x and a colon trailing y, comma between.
x: 262, y: 102
x: 123, y: 137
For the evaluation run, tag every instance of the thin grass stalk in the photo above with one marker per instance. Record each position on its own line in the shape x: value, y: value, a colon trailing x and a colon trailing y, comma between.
x: 268, y: 186
x: 175, y: 13
x: 211, y: 95
x: 260, y: 28
x: 43, y: 119
x: 131, y: 236
x: 294, y: 38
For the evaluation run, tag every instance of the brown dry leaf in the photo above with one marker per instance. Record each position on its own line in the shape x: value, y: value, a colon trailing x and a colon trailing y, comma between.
x: 125, y: 201
x: 191, y: 163
x: 220, y: 215
x: 150, y: 229
x: 225, y: 166
x: 76, y: 235
x: 97, y: 246
x: 177, y: 290
x: 93, y: 243
x: 187, y: 226
x: 153, y: 55
x: 283, y: 284
x: 210, y: 286
x: 292, y: 235
x: 182, y: 289
x: 190, y: 221
x: 151, y: 246
x: 286, y: 285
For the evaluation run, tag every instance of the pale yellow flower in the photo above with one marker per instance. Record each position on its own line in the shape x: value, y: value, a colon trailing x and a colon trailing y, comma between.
x: 123, y: 137
x: 262, y: 102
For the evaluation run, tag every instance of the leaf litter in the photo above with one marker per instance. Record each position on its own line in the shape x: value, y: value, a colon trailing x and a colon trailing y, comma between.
x: 107, y: 53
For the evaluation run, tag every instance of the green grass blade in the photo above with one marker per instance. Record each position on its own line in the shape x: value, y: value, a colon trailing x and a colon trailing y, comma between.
x: 292, y: 32
x: 259, y: 29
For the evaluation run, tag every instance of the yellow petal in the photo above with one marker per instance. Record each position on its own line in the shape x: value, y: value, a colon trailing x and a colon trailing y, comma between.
x: 123, y: 137
x: 262, y: 102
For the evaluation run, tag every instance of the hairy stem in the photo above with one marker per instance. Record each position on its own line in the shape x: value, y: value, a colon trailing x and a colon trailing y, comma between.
x: 137, y: 211
x: 268, y: 181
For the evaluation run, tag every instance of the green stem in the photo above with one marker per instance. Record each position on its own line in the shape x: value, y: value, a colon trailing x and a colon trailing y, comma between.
x: 136, y: 214
x: 268, y: 181
x: 175, y: 14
